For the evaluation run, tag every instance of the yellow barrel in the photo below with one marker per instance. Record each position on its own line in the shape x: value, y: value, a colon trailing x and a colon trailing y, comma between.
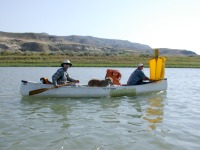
x: 157, y: 68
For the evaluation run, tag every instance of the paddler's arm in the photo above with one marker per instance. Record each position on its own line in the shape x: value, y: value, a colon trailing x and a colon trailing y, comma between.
x: 71, y: 79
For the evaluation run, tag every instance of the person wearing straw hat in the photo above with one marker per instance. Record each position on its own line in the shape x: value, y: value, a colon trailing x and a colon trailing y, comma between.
x: 137, y: 77
x: 61, y: 76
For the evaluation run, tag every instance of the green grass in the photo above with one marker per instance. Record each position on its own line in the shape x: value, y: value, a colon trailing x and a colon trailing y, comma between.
x: 131, y: 60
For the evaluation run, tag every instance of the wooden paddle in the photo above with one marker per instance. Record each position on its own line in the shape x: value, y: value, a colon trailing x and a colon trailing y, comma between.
x: 45, y: 89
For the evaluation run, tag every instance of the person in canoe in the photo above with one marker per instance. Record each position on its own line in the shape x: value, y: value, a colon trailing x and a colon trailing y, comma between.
x: 138, y: 76
x: 61, y: 76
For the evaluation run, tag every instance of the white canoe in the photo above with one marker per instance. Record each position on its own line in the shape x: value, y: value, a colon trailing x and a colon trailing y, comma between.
x: 27, y: 87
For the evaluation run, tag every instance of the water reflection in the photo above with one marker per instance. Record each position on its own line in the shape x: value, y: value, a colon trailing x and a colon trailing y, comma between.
x: 49, y: 110
x: 154, y: 111
x: 108, y: 110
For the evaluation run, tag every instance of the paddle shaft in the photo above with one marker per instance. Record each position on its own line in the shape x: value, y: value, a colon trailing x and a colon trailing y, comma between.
x: 45, y: 89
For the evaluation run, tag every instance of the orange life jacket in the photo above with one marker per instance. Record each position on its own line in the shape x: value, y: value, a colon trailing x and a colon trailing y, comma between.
x: 115, y: 75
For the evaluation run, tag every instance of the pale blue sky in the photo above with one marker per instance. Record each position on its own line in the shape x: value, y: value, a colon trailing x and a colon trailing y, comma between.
x: 157, y: 23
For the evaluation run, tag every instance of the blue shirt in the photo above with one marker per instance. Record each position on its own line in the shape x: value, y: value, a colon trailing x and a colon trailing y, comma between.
x: 136, y: 77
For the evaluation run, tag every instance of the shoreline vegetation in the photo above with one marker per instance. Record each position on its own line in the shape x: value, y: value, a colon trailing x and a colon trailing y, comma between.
x: 93, y: 60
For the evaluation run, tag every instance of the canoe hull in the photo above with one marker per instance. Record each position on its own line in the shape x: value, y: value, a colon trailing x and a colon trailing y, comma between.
x: 86, y: 91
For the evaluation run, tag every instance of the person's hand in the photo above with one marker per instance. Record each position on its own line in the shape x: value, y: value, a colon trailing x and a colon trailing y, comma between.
x: 56, y: 86
x: 77, y: 81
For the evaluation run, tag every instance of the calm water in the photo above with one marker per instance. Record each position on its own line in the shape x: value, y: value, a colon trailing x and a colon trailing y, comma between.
x: 159, y: 121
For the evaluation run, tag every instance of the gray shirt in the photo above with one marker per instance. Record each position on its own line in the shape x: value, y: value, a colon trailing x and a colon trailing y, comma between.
x: 136, y: 77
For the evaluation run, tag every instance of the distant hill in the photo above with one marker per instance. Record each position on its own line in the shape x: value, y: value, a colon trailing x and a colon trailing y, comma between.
x: 100, y: 42
x: 43, y: 42
x: 167, y: 51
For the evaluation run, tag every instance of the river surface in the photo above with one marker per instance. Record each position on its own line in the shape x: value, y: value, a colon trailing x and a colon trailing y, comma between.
x: 168, y: 120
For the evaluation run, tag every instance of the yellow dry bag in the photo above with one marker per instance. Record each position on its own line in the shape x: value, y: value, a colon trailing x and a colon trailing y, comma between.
x: 157, y: 66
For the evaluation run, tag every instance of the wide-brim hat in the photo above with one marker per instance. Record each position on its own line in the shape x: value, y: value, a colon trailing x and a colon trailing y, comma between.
x: 66, y: 62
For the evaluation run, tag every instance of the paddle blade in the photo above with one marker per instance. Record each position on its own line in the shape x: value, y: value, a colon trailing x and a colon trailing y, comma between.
x: 38, y: 91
